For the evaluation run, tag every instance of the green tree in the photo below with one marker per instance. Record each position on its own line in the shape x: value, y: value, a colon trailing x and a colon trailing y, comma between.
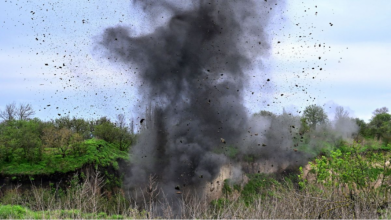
x: 314, y: 115
x: 116, y: 133
x: 76, y: 142
x: 63, y: 122
x: 363, y: 128
x: 387, y: 133
x: 57, y: 138
x: 379, y: 125
x: 106, y: 131
x: 78, y: 125
x: 22, y: 136
x: 81, y: 127
x: 29, y: 139
x: 8, y: 141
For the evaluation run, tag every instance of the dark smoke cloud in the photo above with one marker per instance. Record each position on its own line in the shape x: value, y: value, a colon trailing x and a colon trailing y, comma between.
x: 193, y: 71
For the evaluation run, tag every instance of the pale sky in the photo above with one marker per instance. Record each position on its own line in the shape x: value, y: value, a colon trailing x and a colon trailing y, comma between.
x: 48, y: 56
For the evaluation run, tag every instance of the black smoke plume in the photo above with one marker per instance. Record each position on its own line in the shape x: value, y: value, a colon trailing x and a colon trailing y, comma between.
x: 193, y: 70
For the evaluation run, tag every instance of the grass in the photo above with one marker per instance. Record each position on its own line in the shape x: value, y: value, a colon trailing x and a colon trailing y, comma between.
x: 262, y: 197
x: 80, y: 200
x: 258, y: 186
x: 97, y: 152
x: 20, y: 212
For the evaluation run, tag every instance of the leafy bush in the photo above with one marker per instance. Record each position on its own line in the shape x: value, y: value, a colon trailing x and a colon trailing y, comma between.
x: 259, y: 185
x: 97, y: 152
x: 21, y: 137
x: 353, y: 167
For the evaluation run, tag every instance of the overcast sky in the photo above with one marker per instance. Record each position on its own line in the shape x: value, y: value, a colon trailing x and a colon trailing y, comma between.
x: 49, y: 56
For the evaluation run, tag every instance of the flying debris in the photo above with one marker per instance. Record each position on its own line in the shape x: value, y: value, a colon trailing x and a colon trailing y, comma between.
x: 195, y: 69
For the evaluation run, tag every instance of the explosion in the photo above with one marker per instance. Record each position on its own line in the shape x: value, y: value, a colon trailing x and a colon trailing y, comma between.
x: 193, y: 71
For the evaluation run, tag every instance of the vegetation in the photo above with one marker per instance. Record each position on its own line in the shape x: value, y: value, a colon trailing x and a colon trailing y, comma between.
x: 314, y: 115
x: 33, y: 149
x: 32, y: 146
x: 344, y: 179
x: 93, y: 151
x: 266, y: 196
x: 354, y: 167
x: 83, y: 199
x: 19, y: 212
x: 21, y: 112
x: 257, y: 187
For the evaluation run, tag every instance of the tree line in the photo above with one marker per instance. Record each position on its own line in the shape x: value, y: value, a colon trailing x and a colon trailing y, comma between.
x: 379, y: 126
x: 23, y: 136
x: 27, y: 137
x: 314, y: 119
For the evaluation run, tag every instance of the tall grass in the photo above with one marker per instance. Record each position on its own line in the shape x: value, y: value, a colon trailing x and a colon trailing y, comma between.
x: 266, y: 198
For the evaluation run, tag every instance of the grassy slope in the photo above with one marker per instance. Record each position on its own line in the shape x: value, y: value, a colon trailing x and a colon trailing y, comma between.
x: 20, y: 212
x: 105, y: 155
